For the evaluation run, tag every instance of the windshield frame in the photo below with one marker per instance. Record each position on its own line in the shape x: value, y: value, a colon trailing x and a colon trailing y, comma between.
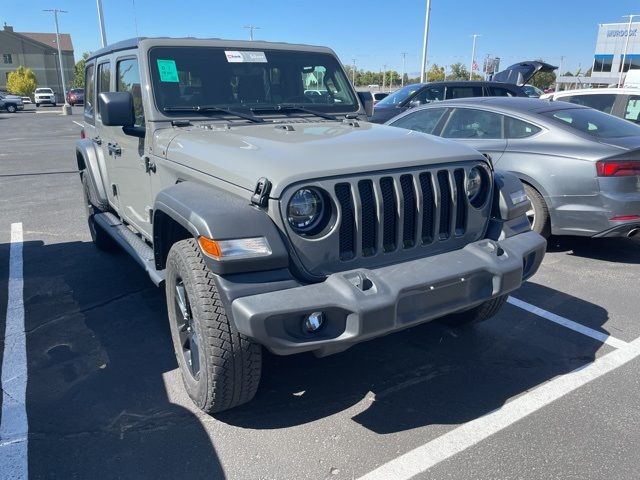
x: 152, y: 80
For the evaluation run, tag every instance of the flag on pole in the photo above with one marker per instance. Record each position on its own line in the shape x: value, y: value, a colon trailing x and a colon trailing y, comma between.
x: 474, y: 66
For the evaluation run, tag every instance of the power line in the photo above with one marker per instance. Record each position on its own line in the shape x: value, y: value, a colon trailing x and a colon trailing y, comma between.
x: 251, y: 28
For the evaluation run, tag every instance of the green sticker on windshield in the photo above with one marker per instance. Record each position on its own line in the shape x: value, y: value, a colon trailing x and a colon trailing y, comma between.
x: 168, y: 71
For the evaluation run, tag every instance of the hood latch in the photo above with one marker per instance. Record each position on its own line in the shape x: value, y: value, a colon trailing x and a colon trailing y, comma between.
x: 261, y: 192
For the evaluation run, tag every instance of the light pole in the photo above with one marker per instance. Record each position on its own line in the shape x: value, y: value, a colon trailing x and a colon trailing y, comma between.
x: 404, y: 59
x: 626, y: 46
x: 353, y: 73
x: 103, y: 32
x: 560, y: 74
x: 425, y: 41
x: 473, y: 55
x: 66, y: 110
x: 251, y: 28
x: 384, y: 76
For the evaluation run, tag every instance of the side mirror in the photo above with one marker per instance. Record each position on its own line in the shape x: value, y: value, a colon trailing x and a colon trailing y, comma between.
x: 414, y: 103
x: 116, y: 109
x: 367, y: 102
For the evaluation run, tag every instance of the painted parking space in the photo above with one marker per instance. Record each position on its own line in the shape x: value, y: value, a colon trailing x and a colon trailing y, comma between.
x: 99, y: 355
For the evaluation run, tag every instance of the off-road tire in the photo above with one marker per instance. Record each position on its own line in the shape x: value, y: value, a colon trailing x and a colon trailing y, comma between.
x: 11, y: 108
x: 230, y: 364
x: 98, y: 235
x: 541, y: 223
x: 478, y: 314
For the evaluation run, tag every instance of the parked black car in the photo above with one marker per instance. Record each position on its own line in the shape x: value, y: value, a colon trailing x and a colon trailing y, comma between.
x: 507, y: 83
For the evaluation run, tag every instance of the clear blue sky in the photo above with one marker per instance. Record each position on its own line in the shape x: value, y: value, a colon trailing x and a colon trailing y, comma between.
x: 373, y: 32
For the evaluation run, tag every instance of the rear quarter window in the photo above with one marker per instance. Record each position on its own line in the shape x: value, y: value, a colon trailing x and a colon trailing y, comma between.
x: 594, y: 122
x: 603, y: 102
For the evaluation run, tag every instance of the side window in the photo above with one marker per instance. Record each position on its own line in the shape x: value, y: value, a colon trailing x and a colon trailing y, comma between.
x: 603, y: 102
x: 463, y: 92
x: 632, y: 112
x: 128, y: 80
x: 90, y: 94
x: 424, y: 121
x: 515, y: 128
x: 501, y: 92
x: 104, y: 80
x: 430, y: 94
x: 471, y: 123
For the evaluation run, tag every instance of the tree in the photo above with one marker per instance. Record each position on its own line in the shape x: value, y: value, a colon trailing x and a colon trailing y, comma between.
x: 435, y: 73
x: 22, y: 81
x: 78, y: 71
x: 458, y: 72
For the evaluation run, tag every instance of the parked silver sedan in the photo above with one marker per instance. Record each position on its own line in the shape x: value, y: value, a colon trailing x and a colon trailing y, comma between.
x: 580, y: 167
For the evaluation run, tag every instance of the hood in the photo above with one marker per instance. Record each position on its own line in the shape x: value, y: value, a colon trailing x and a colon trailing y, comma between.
x: 521, y: 73
x: 293, y: 152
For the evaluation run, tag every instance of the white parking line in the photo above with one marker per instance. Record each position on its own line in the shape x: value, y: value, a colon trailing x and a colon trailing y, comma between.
x: 78, y: 123
x: 14, y: 427
x: 565, y: 322
x: 426, y: 456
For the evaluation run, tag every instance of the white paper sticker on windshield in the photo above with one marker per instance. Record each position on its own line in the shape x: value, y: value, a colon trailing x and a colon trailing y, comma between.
x: 245, y: 57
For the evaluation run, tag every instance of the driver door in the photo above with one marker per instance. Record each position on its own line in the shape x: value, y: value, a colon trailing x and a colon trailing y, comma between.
x: 133, y: 180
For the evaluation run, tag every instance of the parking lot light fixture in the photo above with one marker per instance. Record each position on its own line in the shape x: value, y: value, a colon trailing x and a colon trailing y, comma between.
x: 626, y: 46
x: 425, y: 40
x: 473, y: 55
x: 66, y: 109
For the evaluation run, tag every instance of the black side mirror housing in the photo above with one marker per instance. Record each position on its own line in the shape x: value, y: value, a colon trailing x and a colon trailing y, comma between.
x: 367, y: 102
x: 116, y: 109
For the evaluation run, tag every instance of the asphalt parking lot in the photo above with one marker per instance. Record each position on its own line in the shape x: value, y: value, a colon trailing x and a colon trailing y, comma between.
x: 546, y: 389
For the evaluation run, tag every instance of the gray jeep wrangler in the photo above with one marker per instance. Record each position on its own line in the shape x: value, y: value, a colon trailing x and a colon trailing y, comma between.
x: 280, y: 219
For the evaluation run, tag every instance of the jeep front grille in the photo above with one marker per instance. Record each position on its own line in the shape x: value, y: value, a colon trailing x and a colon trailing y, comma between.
x: 400, y: 211
x: 390, y: 217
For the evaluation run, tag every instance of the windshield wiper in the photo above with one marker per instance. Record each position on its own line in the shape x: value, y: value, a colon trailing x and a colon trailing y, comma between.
x: 283, y: 108
x: 214, y: 108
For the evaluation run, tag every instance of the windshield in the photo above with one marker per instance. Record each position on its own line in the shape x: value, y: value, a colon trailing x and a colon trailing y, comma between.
x: 399, y: 96
x: 185, y: 78
x: 594, y: 122
x: 44, y: 90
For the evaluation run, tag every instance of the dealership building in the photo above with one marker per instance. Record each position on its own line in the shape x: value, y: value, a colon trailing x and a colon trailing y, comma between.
x: 610, y: 51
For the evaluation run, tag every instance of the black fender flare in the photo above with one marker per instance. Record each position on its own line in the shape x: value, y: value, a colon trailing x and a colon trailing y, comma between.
x: 86, y: 150
x: 205, y: 210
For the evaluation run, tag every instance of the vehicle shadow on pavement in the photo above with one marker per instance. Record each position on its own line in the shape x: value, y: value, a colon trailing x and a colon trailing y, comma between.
x: 98, y: 344
x: 618, y: 249
x: 427, y: 375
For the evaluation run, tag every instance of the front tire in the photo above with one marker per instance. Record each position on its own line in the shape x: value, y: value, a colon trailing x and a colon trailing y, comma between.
x: 478, y: 314
x: 11, y: 108
x: 220, y: 367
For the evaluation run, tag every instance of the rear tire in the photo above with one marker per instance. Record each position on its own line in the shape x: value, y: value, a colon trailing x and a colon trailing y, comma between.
x: 220, y: 367
x: 478, y: 314
x: 539, y: 213
x: 98, y: 235
x: 11, y: 108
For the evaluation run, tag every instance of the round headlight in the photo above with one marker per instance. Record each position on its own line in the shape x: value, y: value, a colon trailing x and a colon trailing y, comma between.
x: 474, y: 184
x: 305, y: 210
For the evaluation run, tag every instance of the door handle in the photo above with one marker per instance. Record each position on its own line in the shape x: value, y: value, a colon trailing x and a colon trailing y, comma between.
x: 149, y: 166
x: 114, y: 149
x: 97, y: 140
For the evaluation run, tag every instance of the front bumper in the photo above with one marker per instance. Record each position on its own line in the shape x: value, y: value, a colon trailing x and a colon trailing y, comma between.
x: 398, y: 296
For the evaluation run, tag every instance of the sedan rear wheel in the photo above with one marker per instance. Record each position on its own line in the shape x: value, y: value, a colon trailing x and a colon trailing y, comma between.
x: 538, y: 214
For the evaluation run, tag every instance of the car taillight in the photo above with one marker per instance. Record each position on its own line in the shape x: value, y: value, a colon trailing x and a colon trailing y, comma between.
x: 618, y: 168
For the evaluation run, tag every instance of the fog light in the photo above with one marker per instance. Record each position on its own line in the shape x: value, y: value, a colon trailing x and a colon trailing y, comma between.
x: 314, y: 322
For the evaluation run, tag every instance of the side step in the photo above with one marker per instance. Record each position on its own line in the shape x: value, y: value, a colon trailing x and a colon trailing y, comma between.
x: 131, y: 243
